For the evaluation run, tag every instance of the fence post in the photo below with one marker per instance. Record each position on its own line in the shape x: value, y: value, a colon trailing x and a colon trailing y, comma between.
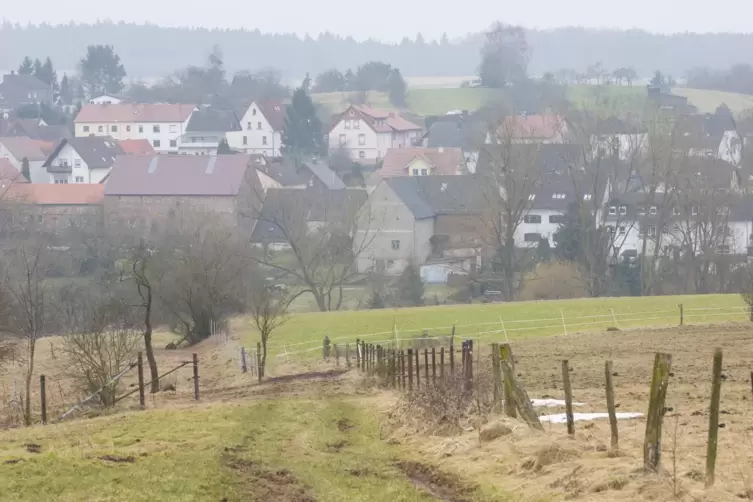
x: 527, y: 413
x: 418, y: 370
x: 452, y: 360
x: 358, y: 355
x: 564, y: 326
x: 410, y: 369
x: 614, y: 318
x: 568, y: 397
x: 441, y: 364
x: 196, y: 376
x: 426, y: 366
x: 610, y: 405
x: 244, y: 368
x: 43, y: 396
x: 716, y: 392
x: 682, y: 314
x: 337, y: 355
x: 347, y: 355
x: 505, y: 354
x: 469, y: 374
x: 655, y: 415
x: 434, y: 365
x: 259, y: 368
x: 140, y: 364
x: 497, y: 401
x: 402, y: 369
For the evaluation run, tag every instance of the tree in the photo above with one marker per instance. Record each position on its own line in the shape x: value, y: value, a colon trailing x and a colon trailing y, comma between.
x: 66, y: 92
x: 268, y: 308
x: 101, y: 70
x: 410, y: 287
x: 372, y: 76
x: 223, y: 148
x: 25, y: 172
x: 47, y: 74
x: 302, y: 134
x: 26, y: 67
x: 397, y: 88
x: 330, y: 81
x: 504, y: 56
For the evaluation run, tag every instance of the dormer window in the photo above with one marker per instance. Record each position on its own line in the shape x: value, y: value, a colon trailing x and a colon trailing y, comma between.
x: 652, y: 210
x: 253, y: 112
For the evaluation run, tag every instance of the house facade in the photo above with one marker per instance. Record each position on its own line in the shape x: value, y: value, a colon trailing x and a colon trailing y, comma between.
x: 206, y: 129
x: 23, y: 90
x: 419, y: 161
x: 20, y: 148
x: 162, y: 125
x: 260, y: 129
x: 57, y: 207
x: 366, y: 134
x: 82, y: 160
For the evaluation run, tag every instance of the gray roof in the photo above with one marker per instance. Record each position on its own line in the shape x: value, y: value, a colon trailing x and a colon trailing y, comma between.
x: 26, y: 82
x: 97, y: 152
x: 455, y: 134
x: 429, y: 196
x: 549, y: 157
x: 326, y: 175
x: 210, y: 119
x: 178, y: 175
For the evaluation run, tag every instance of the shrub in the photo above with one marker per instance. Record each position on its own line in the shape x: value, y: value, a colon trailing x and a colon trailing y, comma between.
x: 551, y: 281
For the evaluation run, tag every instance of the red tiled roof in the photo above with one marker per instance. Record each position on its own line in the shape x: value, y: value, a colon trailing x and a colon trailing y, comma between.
x: 46, y: 194
x: 274, y: 112
x: 446, y: 161
x: 378, y: 120
x: 129, y: 112
x: 532, y: 126
x: 136, y: 146
x: 22, y: 147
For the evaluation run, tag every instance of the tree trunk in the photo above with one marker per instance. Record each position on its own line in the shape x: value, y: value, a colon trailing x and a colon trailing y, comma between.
x: 153, y: 372
x: 29, y: 373
x: 263, y: 365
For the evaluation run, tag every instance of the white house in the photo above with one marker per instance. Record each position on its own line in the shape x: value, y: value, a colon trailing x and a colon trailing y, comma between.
x: 105, y: 99
x: 18, y: 149
x: 708, y: 136
x: 366, y: 133
x: 82, y: 160
x: 206, y: 128
x: 162, y: 124
x: 261, y: 126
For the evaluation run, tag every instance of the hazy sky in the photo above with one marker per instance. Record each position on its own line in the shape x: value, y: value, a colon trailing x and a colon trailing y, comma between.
x: 392, y: 19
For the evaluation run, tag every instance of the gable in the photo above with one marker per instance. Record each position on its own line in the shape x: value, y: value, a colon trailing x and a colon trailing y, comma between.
x: 419, y: 163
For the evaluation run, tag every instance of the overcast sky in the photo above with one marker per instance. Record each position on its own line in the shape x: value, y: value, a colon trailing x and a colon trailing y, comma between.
x: 390, y: 20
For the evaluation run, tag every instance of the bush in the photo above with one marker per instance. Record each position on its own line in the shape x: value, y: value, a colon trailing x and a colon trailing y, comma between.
x: 411, y: 287
x: 552, y: 281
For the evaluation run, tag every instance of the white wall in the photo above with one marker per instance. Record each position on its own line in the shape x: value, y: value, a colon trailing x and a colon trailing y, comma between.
x: 628, y: 144
x: 546, y: 228
x: 352, y: 129
x: 37, y: 173
x: 168, y: 132
x: 264, y: 139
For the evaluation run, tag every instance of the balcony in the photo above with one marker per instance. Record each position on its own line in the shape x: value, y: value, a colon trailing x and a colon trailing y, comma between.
x: 59, y: 167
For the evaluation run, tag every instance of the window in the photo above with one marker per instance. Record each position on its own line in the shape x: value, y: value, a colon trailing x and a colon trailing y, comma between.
x: 651, y: 231
x: 356, y: 124
x: 557, y: 218
x: 248, y: 125
x: 532, y: 218
x: 100, y: 128
x: 532, y: 237
x: 558, y: 196
x: 128, y: 128
x: 424, y: 172
x: 622, y: 230
x: 155, y: 143
x: 77, y: 162
x: 348, y: 124
x: 342, y: 139
x: 361, y: 154
x: 86, y: 128
x: 675, y: 211
x: 395, y: 245
x: 642, y: 210
x: 245, y: 140
x: 173, y: 128
x: 623, y: 210
x: 722, y: 211
x: 532, y: 196
x: 173, y: 143
x: 253, y: 112
x: 610, y: 229
x: 61, y: 181
x: 258, y: 125
x: 113, y: 128
x: 612, y: 210
x: 155, y: 128
x: 79, y: 179
x: 141, y: 129
x: 263, y: 140
x: 694, y: 210
x: 652, y: 210
x: 587, y: 196
x: 361, y: 139
x: 415, y: 172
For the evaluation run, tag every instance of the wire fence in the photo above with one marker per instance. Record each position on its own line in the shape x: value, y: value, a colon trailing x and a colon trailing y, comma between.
x: 505, y: 329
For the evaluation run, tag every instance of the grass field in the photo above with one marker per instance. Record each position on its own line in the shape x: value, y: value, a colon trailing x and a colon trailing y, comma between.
x: 305, y: 331
x: 707, y: 101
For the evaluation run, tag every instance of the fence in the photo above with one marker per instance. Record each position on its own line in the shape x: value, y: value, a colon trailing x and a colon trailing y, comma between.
x: 503, y: 330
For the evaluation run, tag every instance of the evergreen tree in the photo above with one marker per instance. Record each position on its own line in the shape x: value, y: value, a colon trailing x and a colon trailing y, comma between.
x: 26, y: 67
x: 102, y: 71
x: 66, y: 93
x: 411, y: 287
x: 302, y: 134
x: 397, y: 88
x: 37, y: 68
x: 544, y: 250
x: 47, y: 74
x: 224, y: 148
x: 25, y: 171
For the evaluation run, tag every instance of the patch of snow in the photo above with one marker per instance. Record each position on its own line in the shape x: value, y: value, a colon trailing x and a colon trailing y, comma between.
x: 561, y: 418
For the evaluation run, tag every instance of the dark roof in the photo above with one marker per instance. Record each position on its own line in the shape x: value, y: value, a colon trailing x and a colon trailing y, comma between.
x: 557, y: 191
x: 604, y: 126
x: 464, y: 134
x: 97, y: 152
x: 209, y: 119
x: 701, y: 131
x: 549, y: 157
x: 274, y: 112
x: 283, y: 170
x: 26, y: 82
x: 326, y: 175
x: 178, y: 175
x: 286, y: 206
x: 429, y: 196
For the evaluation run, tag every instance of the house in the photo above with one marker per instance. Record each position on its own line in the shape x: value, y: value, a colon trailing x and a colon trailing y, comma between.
x: 136, y: 147
x: 23, y: 90
x: 261, y: 125
x: 708, y: 136
x: 540, y: 129
x: 82, y: 160
x: 148, y: 191
x: 412, y: 219
x: 57, y: 207
x: 457, y: 132
x: 366, y: 134
x: 206, y: 129
x: 612, y: 136
x: 34, y: 129
x: 161, y: 124
x: 289, y: 214
x: 313, y: 174
x: 543, y: 157
x: 555, y: 193
x: 105, y: 99
x: 419, y: 161
x: 19, y: 149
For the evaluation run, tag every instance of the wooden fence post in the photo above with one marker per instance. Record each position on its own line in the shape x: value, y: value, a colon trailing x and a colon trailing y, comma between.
x: 505, y: 354
x: 347, y: 355
x: 410, y: 369
x: 259, y: 367
x: 441, y: 364
x: 716, y: 393
x: 682, y: 314
x: 434, y: 365
x: 497, y: 375
x: 418, y: 370
x: 43, y: 396
x: 402, y: 369
x: 655, y: 415
x: 568, y: 397
x: 469, y: 371
x: 196, y: 376
x: 610, y: 405
x: 521, y: 399
x: 426, y: 366
x: 452, y: 360
x: 337, y: 355
x: 358, y: 353
x: 140, y: 364
x: 244, y: 367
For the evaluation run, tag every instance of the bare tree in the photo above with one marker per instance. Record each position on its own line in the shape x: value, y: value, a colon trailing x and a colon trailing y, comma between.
x: 268, y: 307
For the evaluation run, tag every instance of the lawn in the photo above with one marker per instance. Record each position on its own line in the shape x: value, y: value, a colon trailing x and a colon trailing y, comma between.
x: 305, y: 331
x: 267, y: 451
x: 707, y: 101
